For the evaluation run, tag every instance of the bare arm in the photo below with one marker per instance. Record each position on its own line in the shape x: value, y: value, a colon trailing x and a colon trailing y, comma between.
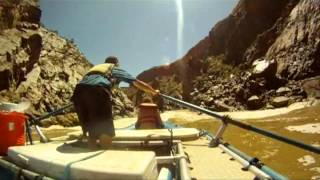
x: 145, y: 87
x: 122, y: 75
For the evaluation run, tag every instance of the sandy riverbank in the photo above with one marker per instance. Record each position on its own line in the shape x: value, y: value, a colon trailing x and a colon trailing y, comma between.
x: 279, y: 114
x: 238, y: 115
x: 191, y: 116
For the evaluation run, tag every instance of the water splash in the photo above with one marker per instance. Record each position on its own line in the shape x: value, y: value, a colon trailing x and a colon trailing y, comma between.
x: 180, y: 27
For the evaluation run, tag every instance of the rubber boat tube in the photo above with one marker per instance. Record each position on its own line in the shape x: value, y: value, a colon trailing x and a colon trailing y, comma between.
x: 15, y: 172
x: 260, y: 174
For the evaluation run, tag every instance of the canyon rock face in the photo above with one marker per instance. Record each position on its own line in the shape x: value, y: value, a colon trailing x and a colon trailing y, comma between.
x: 278, y: 38
x: 37, y: 64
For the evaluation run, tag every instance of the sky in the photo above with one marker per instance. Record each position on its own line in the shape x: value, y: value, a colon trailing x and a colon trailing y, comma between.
x: 141, y: 33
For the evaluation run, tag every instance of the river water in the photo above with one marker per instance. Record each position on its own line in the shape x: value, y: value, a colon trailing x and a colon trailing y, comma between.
x: 283, y: 158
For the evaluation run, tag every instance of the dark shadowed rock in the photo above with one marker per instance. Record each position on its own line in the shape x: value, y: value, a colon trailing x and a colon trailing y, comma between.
x: 221, y: 106
x: 283, y: 91
x: 254, y: 102
x: 312, y: 87
x: 297, y: 47
x: 280, y: 101
x: 269, y: 106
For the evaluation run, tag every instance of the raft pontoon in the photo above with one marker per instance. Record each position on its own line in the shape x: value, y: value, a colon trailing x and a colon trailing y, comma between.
x: 171, y: 152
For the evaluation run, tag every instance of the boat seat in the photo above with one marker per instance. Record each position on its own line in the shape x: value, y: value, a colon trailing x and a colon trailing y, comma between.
x: 63, y: 161
x: 148, y: 117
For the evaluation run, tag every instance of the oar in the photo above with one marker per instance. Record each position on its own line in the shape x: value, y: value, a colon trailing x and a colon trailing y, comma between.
x: 52, y: 113
x: 245, y: 126
x: 35, y: 121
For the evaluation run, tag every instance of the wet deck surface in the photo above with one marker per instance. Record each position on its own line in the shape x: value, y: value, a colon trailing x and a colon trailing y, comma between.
x: 212, y: 163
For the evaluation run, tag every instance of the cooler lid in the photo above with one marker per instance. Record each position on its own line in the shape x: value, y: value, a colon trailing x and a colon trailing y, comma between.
x: 21, y: 107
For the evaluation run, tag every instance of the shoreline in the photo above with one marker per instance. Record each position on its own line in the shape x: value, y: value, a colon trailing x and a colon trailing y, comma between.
x: 238, y: 115
x: 192, y: 116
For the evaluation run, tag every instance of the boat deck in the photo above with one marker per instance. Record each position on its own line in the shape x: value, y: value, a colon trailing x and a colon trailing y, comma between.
x: 208, y: 163
x: 212, y: 163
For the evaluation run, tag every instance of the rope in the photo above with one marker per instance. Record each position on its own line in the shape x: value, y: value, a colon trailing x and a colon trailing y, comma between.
x: 203, y: 133
x: 245, y: 126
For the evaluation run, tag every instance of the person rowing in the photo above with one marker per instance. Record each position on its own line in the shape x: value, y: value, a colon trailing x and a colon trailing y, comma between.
x: 92, y: 100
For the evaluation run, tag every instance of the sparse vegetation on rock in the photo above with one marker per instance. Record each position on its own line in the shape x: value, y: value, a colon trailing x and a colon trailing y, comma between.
x: 40, y: 66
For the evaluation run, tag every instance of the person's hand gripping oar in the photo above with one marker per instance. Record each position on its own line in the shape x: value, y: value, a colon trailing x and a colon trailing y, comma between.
x: 146, y: 87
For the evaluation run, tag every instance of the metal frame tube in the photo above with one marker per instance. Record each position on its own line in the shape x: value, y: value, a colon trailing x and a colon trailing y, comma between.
x: 28, y: 132
x: 43, y: 138
x: 165, y: 174
x: 169, y: 159
x: 184, y: 169
x: 215, y: 141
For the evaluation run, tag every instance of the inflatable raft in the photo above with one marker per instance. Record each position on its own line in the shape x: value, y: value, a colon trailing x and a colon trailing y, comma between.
x: 135, y: 154
x: 148, y: 149
x: 174, y: 153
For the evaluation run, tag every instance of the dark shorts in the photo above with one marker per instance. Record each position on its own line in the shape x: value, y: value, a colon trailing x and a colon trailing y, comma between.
x: 94, y: 108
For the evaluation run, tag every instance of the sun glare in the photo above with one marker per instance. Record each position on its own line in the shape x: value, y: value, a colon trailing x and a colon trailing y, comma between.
x: 180, y: 24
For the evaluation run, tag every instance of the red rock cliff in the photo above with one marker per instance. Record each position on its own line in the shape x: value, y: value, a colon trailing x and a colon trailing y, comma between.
x: 286, y: 31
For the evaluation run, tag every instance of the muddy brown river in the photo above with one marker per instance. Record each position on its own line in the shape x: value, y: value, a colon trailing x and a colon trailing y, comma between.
x: 283, y: 158
x: 286, y: 159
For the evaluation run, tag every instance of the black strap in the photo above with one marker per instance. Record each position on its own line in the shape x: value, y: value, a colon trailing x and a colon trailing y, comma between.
x: 253, y: 162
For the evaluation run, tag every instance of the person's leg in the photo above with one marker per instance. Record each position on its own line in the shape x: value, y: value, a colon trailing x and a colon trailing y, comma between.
x: 89, y: 125
x: 100, y: 124
x: 97, y: 131
x: 104, y: 114
x: 92, y: 142
x: 105, y: 141
x: 78, y: 99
